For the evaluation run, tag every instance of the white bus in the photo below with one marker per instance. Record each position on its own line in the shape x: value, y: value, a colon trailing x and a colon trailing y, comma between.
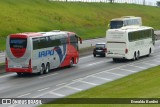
x: 130, y: 42
x: 125, y: 21
x: 40, y: 52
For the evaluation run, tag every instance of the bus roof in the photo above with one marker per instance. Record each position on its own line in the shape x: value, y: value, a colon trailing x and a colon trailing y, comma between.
x: 125, y: 18
x: 38, y: 34
x: 27, y: 34
x: 130, y: 28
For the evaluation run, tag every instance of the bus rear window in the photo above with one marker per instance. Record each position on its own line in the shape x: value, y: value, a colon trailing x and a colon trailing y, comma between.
x: 116, y: 24
x: 18, y: 43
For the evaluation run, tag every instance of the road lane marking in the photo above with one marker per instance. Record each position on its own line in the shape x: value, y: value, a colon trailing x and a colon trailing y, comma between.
x: 77, y: 79
x: 24, y: 95
x: 127, y: 70
x: 12, y: 74
x: 60, y: 84
x: 101, y: 78
x: 114, y: 73
x: 149, y: 64
x: 86, y: 57
x: 48, y: 75
x: 88, y: 82
x: 43, y: 89
x: 156, y: 60
x: 78, y: 89
x: 138, y: 66
x: 95, y: 63
x: 57, y: 94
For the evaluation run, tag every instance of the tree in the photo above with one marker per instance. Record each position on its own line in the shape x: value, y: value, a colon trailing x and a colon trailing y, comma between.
x: 111, y: 1
x: 158, y: 3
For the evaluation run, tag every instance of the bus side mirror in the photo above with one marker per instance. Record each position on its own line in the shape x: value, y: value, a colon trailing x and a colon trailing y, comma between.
x: 155, y: 37
x: 80, y: 39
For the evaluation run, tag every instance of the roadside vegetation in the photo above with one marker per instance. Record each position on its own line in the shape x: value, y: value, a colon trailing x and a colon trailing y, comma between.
x: 144, y: 84
x: 89, y: 20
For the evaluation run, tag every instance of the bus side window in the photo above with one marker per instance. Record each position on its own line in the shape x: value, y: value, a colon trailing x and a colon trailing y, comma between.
x: 42, y: 43
x: 35, y: 43
x: 74, y: 41
x: 64, y: 40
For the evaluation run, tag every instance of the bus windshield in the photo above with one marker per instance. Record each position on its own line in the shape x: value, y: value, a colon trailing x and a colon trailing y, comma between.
x: 116, y: 24
x: 18, y: 43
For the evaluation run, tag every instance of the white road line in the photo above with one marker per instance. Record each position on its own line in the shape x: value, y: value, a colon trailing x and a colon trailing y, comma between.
x: 95, y: 63
x: 138, y: 66
x: 156, y: 60
x: 88, y: 82
x: 8, y: 75
x: 127, y: 70
x: 24, y: 95
x: 101, y: 78
x: 77, y: 79
x: 149, y: 64
x: 57, y: 94
x: 48, y: 75
x: 60, y: 84
x: 43, y: 89
x: 78, y: 89
x: 114, y: 73
x: 86, y: 57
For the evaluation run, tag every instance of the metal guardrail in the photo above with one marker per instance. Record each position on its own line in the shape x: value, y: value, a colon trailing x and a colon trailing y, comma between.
x: 139, y: 2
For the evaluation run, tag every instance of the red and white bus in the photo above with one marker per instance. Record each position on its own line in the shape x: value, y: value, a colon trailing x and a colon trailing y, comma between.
x: 39, y: 52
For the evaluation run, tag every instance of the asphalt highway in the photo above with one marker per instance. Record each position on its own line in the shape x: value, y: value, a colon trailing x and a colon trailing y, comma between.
x: 89, y: 72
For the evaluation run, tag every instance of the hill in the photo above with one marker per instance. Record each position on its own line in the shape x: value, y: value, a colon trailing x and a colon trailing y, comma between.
x: 89, y: 20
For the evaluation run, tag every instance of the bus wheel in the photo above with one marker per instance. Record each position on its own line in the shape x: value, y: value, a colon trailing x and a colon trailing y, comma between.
x: 47, y: 68
x: 104, y: 55
x: 42, y: 69
x: 138, y: 55
x: 134, y: 56
x: 149, y: 52
x: 71, y: 63
x: 19, y: 73
x: 115, y: 59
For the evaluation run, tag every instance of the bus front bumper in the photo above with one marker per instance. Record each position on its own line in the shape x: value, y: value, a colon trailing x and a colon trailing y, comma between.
x: 120, y: 56
x: 21, y: 70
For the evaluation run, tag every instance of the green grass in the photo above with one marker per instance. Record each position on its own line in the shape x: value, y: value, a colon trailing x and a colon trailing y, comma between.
x: 144, y: 84
x: 89, y: 20
x: 2, y: 64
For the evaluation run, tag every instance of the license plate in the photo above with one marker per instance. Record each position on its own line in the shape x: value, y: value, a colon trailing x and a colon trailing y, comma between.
x: 99, y: 50
x: 18, y: 66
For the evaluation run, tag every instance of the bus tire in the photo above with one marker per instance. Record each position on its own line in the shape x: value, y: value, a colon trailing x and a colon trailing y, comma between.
x: 149, y: 52
x: 115, y: 59
x: 42, y: 69
x: 19, y: 73
x: 71, y: 62
x: 47, y: 68
x: 104, y: 55
x: 134, y: 56
x: 138, y: 55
